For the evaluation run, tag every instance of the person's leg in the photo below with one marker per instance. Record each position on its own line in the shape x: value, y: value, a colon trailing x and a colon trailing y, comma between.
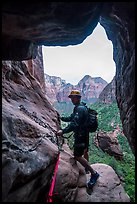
x: 85, y: 163
x: 86, y: 154
x: 94, y: 174
x: 78, y: 152
x: 87, y: 158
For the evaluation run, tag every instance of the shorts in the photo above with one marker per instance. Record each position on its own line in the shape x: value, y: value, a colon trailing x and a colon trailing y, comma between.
x: 79, y: 149
x: 81, y: 143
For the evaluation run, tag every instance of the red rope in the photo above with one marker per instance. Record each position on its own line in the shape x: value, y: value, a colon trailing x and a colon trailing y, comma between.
x: 50, y: 195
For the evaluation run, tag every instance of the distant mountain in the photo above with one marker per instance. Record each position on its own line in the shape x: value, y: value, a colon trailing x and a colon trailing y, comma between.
x: 57, y: 90
x: 91, y: 87
x: 52, y: 86
x: 108, y: 94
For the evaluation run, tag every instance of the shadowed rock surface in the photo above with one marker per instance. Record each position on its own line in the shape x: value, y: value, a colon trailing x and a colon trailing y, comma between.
x: 28, y: 155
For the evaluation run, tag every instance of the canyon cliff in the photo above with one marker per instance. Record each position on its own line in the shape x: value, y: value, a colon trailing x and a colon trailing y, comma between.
x: 57, y: 90
x: 108, y: 95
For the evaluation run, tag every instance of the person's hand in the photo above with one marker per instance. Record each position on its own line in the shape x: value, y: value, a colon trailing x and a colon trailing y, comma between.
x: 60, y: 117
x: 60, y: 133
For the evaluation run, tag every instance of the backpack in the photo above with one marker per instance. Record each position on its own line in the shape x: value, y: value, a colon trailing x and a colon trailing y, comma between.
x: 92, y: 122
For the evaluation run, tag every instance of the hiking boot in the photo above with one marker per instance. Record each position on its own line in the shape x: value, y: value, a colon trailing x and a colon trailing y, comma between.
x: 93, y: 180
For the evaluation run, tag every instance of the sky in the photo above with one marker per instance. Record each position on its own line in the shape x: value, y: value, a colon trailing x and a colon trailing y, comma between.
x: 94, y: 57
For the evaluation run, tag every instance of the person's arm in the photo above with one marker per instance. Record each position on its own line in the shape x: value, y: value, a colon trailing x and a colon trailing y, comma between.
x: 76, y: 121
x: 67, y: 119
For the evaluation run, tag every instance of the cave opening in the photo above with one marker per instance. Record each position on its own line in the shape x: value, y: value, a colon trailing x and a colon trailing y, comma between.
x: 94, y: 57
x: 88, y: 62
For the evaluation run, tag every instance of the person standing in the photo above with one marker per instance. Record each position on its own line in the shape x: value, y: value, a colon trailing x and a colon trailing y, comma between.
x: 81, y: 135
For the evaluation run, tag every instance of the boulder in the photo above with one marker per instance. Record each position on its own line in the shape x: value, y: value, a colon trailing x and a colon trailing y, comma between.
x: 108, y: 142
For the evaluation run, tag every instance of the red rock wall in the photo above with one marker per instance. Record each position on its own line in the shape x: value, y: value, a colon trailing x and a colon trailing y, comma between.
x: 36, y: 68
x: 29, y: 123
x: 118, y: 21
x: 108, y: 95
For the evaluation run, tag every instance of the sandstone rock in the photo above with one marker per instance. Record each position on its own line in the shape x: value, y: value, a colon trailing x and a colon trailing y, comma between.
x: 91, y: 87
x: 120, y: 29
x: 108, y: 142
x: 29, y: 148
x: 108, y: 94
x: 36, y: 68
x: 108, y: 187
x: 53, y: 85
x: 47, y: 23
x: 70, y: 178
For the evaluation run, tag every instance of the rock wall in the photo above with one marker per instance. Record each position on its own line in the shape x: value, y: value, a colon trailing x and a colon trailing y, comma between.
x: 118, y: 21
x: 108, y: 95
x: 29, y: 144
x: 45, y: 23
x: 36, y: 68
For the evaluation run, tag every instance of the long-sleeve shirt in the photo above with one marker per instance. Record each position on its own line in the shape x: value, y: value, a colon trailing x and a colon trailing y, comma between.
x: 77, y: 120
